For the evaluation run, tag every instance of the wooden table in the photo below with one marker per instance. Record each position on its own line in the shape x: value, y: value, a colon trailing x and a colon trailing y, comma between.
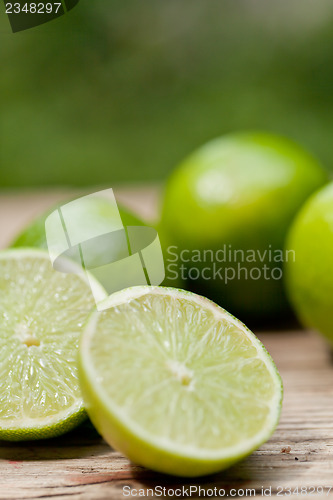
x: 81, y: 465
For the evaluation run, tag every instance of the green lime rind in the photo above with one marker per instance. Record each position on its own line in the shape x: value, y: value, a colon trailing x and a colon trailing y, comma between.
x: 239, y: 192
x: 45, y: 431
x: 309, y: 274
x: 33, y: 235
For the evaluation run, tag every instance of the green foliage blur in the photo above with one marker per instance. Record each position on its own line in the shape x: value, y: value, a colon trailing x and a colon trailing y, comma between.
x: 121, y: 91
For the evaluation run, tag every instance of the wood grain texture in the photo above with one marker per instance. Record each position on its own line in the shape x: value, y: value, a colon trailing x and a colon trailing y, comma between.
x: 81, y: 465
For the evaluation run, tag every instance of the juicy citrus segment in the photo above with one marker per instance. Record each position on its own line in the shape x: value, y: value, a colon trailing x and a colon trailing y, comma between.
x: 180, y: 374
x: 41, y: 316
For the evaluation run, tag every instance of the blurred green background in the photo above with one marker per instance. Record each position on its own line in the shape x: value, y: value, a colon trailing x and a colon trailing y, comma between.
x: 121, y: 91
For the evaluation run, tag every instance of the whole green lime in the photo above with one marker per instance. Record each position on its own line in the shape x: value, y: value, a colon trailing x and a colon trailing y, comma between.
x: 97, y: 215
x: 225, y: 217
x: 309, y: 274
x: 95, y: 211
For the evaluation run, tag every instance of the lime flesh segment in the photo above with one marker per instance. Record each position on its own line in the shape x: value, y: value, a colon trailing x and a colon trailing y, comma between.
x: 42, y: 313
x: 175, y: 382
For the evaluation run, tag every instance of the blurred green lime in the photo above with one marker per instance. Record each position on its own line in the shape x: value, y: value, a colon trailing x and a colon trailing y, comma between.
x: 227, y: 208
x: 309, y: 276
x: 96, y: 211
x: 102, y: 216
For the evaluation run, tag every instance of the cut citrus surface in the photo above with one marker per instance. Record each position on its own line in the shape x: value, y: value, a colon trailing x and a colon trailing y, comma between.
x: 175, y: 382
x: 42, y: 313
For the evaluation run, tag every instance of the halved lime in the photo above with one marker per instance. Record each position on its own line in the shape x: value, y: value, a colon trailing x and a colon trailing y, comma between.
x: 42, y: 313
x: 175, y: 382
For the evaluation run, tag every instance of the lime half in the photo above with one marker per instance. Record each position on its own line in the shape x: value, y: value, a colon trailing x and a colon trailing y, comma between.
x: 175, y: 382
x: 42, y: 313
